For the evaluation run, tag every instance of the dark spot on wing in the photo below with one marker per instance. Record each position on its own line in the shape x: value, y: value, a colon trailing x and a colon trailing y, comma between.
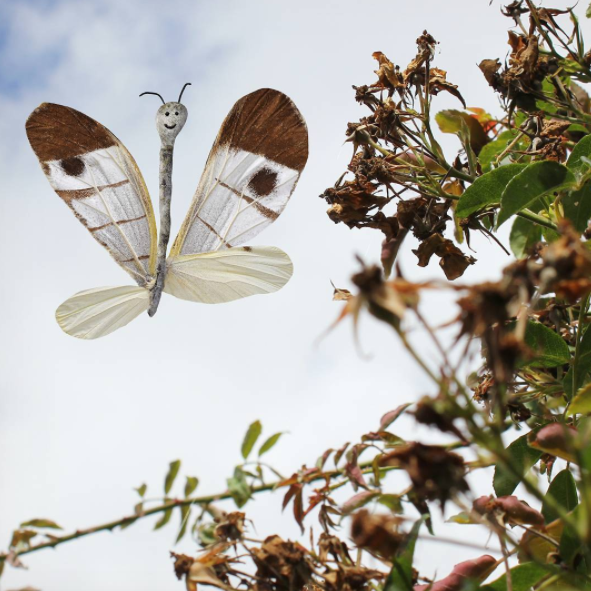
x: 247, y: 248
x: 263, y: 182
x: 73, y: 166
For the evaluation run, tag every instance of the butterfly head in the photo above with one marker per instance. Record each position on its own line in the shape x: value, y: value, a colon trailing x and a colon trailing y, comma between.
x: 170, y: 119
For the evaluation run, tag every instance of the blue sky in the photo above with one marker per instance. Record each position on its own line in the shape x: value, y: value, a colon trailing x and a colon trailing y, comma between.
x: 81, y: 424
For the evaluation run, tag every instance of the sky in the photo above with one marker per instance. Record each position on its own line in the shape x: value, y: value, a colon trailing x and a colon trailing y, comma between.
x: 83, y: 423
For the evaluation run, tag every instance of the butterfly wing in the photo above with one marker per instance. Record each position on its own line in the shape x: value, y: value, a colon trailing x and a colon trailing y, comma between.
x: 229, y: 274
x: 92, y: 171
x: 98, y: 312
x: 251, y: 172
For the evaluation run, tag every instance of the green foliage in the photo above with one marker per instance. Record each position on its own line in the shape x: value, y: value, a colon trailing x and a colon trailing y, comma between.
x: 563, y: 491
x: 487, y: 189
x: 524, y: 236
x: 141, y: 490
x: 400, y: 577
x: 253, y: 433
x: 191, y: 485
x: 494, y: 149
x: 239, y: 487
x: 41, y: 524
x: 533, y: 182
x: 521, y: 458
x: 164, y: 519
x: 171, y: 475
x: 269, y: 443
x: 523, y: 578
x: 581, y: 366
x: 549, y: 348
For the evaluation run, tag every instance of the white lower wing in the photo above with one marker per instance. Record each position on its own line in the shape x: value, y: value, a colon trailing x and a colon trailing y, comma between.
x: 226, y: 275
x: 98, y: 312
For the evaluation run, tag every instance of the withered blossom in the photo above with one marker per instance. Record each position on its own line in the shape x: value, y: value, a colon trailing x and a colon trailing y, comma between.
x: 379, y: 534
x: 436, y: 473
x: 287, y: 564
x: 230, y: 526
x: 401, y: 172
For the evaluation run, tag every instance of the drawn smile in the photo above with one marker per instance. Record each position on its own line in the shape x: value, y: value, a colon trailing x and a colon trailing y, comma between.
x: 170, y: 126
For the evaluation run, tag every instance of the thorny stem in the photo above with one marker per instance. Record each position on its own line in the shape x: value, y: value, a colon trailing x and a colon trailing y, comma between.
x: 582, y: 313
x: 495, y: 444
x: 509, y: 580
x: 365, y: 467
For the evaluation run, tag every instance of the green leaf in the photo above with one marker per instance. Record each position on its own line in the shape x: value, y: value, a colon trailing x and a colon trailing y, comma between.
x: 250, y: 438
x: 141, y: 490
x: 581, y: 403
x: 391, y: 501
x: 588, y: 13
x: 535, y: 181
x: 173, y: 470
x: 463, y: 518
x: 579, y: 160
x: 577, y: 207
x: 497, y: 147
x: 400, y: 577
x: 269, y: 443
x: 583, y: 367
x: 550, y: 348
x: 524, y: 234
x: 206, y: 533
x: 563, y: 489
x: 41, y: 523
x: 191, y: 485
x: 239, y: 487
x: 523, y: 578
x: 164, y: 519
x: 127, y: 522
x: 185, y: 513
x: 486, y: 189
x: 463, y: 125
x: 522, y: 458
x: 570, y: 542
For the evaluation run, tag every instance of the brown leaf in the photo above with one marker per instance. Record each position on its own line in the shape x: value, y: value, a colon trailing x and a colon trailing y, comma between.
x: 453, y: 261
x: 378, y: 534
x: 391, y: 416
x: 508, y: 509
x: 388, y: 75
x: 340, y: 295
x: 555, y: 439
x: 534, y: 547
x: 490, y: 68
x: 477, y: 569
x: 435, y: 472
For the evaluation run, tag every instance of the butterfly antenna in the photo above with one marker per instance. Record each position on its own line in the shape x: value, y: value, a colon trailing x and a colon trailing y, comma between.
x: 155, y: 94
x: 183, y: 90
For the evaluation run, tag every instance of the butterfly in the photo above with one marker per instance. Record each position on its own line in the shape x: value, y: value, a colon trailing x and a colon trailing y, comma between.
x: 251, y: 172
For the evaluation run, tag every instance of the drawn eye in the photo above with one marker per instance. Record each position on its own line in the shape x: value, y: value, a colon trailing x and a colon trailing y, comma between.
x: 176, y: 113
x: 167, y: 113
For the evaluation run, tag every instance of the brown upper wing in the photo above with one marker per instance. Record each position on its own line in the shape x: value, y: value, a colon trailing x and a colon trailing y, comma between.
x: 92, y: 171
x: 251, y: 172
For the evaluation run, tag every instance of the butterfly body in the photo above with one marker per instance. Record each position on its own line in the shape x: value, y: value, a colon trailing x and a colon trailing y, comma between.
x: 250, y: 174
